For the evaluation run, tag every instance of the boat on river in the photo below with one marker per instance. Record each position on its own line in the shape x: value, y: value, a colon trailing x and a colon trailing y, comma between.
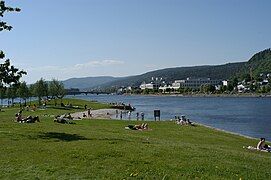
x: 124, y: 107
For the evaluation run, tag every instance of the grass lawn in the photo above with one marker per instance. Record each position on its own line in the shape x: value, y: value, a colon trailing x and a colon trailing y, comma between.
x: 103, y: 149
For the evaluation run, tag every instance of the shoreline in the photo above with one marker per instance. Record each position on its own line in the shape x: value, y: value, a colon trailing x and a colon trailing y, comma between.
x: 106, y: 114
x: 225, y: 131
x: 206, y: 95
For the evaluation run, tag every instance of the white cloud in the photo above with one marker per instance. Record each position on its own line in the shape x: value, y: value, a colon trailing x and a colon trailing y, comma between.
x: 91, y: 68
x: 151, y: 66
x: 99, y: 63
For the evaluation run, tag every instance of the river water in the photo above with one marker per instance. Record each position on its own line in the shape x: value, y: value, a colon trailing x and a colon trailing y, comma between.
x: 250, y: 116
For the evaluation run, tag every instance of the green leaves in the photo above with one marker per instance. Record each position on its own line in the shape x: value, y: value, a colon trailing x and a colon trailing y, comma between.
x: 56, y: 89
x: 9, y: 75
x: 2, y: 55
x: 3, y: 9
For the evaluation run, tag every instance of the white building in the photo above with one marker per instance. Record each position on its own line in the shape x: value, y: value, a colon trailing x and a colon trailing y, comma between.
x: 225, y: 83
x: 176, y: 84
x: 164, y: 88
x: 196, y: 83
x: 146, y: 86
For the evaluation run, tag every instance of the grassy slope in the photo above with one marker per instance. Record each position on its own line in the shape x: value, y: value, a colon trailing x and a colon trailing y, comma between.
x: 103, y: 149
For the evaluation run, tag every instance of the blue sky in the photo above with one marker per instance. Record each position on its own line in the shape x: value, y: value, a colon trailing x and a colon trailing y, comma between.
x: 78, y: 38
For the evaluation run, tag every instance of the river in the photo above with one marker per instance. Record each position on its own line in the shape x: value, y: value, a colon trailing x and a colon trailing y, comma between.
x: 249, y: 116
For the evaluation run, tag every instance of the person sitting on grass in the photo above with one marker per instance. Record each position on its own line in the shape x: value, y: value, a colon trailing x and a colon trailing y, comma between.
x: 143, y: 126
x: 262, y: 146
x: 18, y: 117
x: 184, y: 121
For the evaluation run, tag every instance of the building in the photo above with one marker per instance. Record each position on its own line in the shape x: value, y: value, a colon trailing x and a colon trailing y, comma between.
x: 165, y: 87
x: 225, y: 83
x: 176, y: 85
x: 195, y: 83
x: 144, y: 86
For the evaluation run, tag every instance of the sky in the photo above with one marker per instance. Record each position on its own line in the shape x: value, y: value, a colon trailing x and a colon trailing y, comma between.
x: 79, y: 38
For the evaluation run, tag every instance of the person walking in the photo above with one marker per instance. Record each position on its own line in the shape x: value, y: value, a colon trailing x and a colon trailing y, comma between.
x: 142, y: 116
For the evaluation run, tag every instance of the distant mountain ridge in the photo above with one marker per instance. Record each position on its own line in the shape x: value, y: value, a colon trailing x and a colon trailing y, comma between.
x: 171, y: 74
x: 259, y: 63
x: 88, y: 82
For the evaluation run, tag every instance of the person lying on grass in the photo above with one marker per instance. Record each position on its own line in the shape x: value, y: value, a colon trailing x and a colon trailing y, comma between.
x: 143, y: 126
x: 261, y: 146
x: 29, y: 119
x: 64, y: 119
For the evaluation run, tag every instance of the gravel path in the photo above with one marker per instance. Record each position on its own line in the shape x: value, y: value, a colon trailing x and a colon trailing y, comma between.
x: 95, y: 114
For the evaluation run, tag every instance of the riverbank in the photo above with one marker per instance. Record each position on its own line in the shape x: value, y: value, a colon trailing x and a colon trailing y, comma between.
x: 245, y: 95
x: 104, y: 149
x: 248, y: 116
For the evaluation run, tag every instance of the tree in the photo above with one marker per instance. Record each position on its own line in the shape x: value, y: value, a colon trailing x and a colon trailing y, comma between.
x: 2, y: 94
x: 31, y: 92
x: 230, y: 87
x: 181, y: 90
x: 40, y: 89
x: 23, y: 92
x: 235, y: 82
x: 11, y: 94
x: 246, y: 77
x: 207, y: 88
x: 56, y: 89
x: 9, y: 75
x: 3, y: 9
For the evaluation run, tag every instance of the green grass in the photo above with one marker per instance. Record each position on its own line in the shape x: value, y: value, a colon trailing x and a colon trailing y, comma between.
x: 103, y: 149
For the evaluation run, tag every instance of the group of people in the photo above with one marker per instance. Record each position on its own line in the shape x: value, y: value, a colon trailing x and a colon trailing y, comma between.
x: 183, y: 120
x: 29, y: 119
x: 119, y: 114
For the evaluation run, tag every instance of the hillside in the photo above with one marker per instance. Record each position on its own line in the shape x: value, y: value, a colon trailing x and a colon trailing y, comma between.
x: 259, y: 63
x: 170, y: 74
x: 88, y: 82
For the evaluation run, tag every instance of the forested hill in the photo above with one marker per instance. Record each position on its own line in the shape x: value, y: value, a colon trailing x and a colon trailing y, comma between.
x: 258, y: 63
x: 170, y: 74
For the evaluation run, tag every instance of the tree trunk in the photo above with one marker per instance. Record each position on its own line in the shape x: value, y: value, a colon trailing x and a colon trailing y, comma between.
x: 39, y: 101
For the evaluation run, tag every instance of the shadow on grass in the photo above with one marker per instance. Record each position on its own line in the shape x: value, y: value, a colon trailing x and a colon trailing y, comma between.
x: 61, y: 136
x: 73, y: 137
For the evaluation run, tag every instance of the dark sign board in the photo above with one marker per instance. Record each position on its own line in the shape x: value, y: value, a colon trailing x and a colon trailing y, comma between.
x: 157, y: 114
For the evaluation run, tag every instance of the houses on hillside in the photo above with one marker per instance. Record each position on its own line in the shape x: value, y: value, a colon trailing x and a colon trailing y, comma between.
x: 262, y: 84
x: 177, y: 84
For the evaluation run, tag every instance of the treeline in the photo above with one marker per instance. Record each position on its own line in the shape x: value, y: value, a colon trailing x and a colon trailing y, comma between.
x: 41, y: 89
x: 169, y: 75
x: 231, y: 88
x: 257, y: 64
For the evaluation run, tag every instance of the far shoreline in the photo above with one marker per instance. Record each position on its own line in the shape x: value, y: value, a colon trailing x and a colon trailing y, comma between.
x: 205, y: 95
